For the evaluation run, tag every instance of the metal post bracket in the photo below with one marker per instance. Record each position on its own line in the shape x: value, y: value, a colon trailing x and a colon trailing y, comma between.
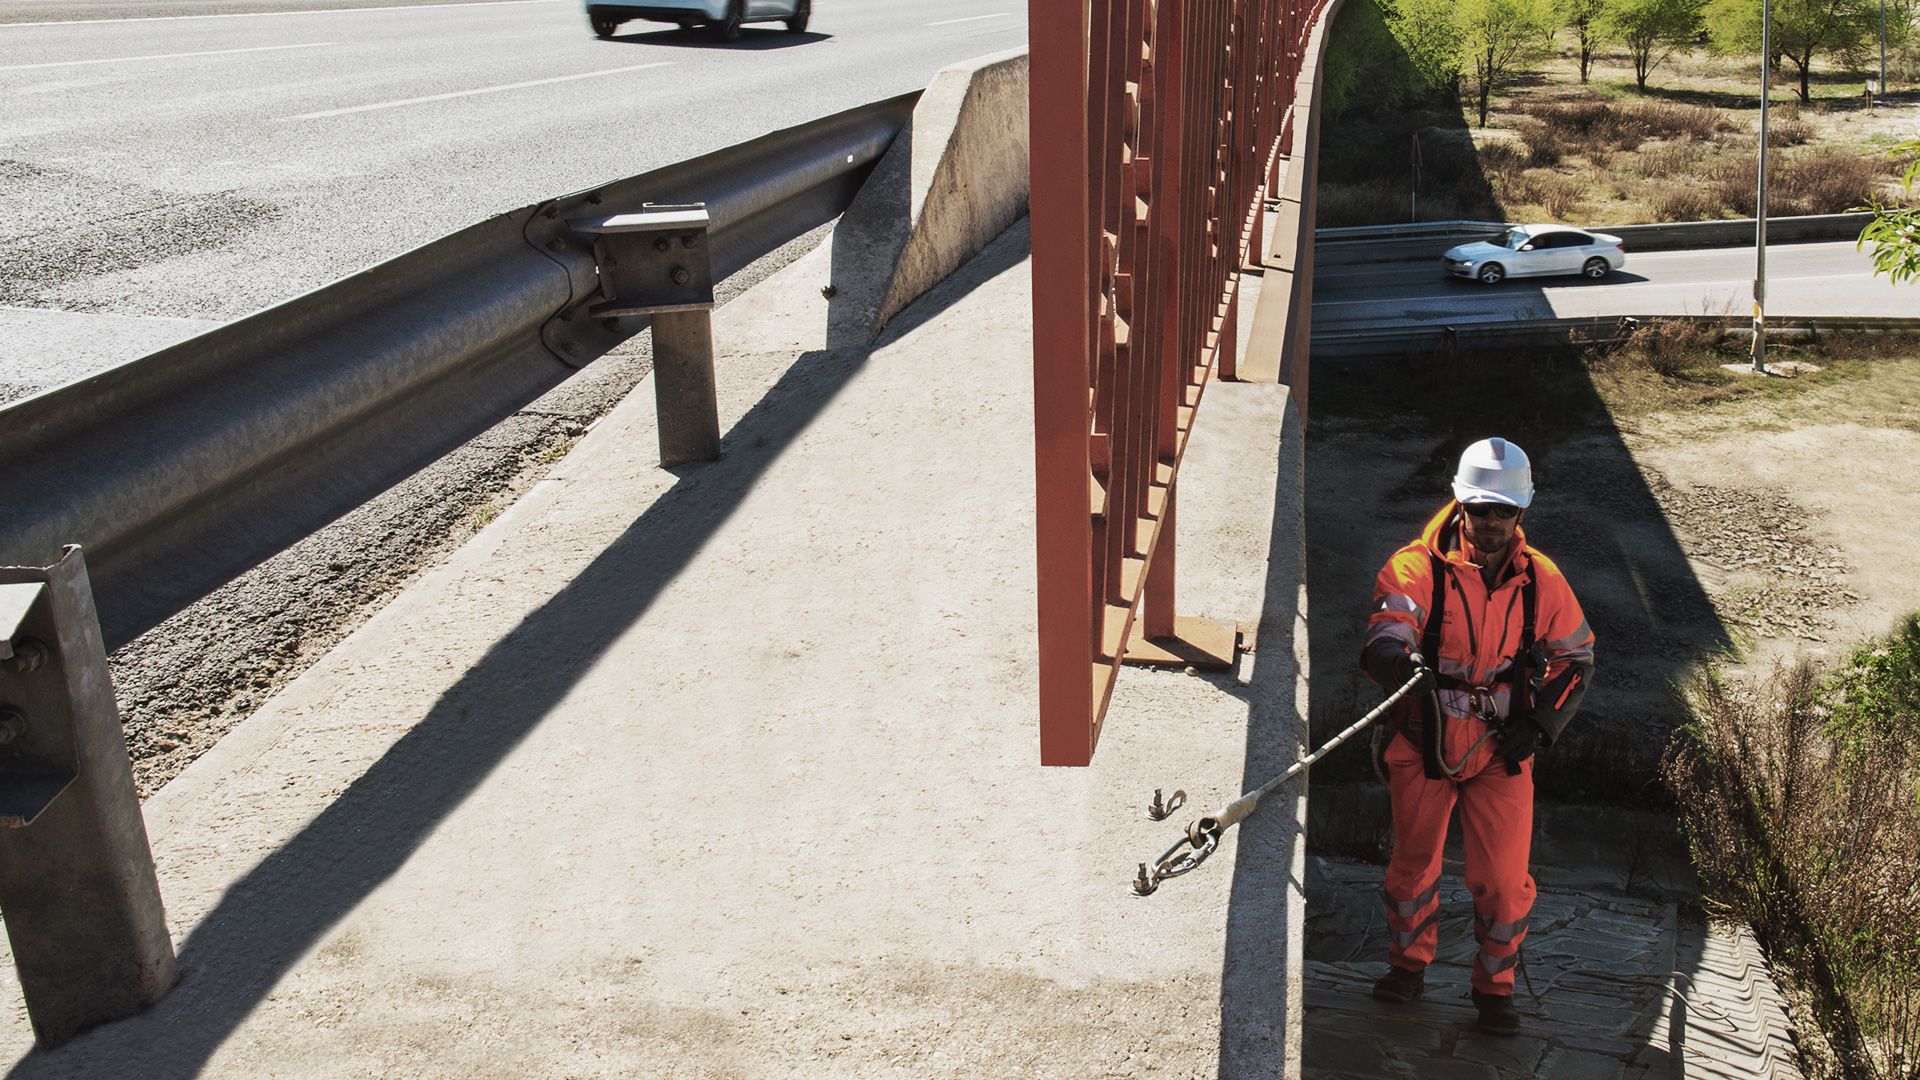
x: 654, y: 261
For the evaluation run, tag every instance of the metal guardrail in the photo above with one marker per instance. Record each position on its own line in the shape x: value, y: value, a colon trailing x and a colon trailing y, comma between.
x: 1427, y: 240
x: 1154, y: 127
x: 1399, y: 341
x: 181, y: 470
x: 1353, y: 233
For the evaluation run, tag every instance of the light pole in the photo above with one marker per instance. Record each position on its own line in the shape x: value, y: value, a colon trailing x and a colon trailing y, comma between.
x: 1760, y: 203
x: 1883, y: 47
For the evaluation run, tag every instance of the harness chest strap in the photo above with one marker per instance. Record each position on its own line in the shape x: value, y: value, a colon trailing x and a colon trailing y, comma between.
x: 1432, y: 734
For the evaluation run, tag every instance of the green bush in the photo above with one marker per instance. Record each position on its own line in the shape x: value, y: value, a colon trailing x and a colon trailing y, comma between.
x: 1877, y: 695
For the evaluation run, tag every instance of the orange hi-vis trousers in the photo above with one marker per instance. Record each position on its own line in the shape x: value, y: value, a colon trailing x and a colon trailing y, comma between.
x: 1496, y: 822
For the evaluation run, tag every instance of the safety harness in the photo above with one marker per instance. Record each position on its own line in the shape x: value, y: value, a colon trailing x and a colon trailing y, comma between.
x: 1522, y: 674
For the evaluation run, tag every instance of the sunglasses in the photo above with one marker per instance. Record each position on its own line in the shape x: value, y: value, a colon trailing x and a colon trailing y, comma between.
x: 1499, y: 511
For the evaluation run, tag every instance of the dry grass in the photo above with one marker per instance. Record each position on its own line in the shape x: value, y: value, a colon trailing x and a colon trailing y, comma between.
x: 1683, y: 151
x: 1812, y: 834
x: 1820, y: 181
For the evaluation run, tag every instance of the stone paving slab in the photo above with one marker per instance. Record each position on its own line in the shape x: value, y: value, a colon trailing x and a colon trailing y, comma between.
x: 1603, y: 970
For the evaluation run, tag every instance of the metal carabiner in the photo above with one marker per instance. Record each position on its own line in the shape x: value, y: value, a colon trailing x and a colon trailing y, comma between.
x: 1172, y: 863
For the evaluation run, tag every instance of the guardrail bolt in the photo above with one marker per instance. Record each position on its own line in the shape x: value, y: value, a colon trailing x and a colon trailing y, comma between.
x: 28, y: 655
x: 12, y: 725
x: 681, y: 275
x: 556, y: 244
x: 689, y: 240
x: 663, y: 244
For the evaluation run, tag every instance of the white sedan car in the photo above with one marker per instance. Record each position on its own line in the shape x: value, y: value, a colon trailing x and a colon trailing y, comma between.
x: 1535, y: 250
x: 724, y: 17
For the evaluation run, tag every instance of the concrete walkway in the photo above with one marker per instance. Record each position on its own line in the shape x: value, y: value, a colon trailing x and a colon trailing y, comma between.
x: 731, y: 771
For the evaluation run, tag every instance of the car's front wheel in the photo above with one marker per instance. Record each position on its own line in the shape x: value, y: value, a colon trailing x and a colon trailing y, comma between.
x: 1492, y: 274
x: 1596, y: 268
x: 603, y: 27
x: 728, y: 29
x: 801, y: 13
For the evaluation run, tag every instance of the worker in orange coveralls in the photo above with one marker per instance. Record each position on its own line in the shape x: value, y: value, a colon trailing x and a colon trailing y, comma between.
x: 1503, y: 655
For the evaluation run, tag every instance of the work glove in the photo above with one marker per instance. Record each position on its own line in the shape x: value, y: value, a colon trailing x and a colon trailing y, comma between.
x: 1519, y: 740
x: 1408, y: 665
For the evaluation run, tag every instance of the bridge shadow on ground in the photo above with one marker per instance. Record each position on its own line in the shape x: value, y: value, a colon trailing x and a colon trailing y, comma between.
x: 278, y: 912
x: 1386, y: 435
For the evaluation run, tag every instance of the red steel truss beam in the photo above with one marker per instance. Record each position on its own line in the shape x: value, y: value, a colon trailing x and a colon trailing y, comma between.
x: 1154, y: 128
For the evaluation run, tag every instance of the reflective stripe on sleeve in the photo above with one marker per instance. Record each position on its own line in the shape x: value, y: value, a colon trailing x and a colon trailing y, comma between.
x: 1402, y: 603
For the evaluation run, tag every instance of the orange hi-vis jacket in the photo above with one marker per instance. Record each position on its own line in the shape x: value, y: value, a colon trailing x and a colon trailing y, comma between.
x: 1483, y: 661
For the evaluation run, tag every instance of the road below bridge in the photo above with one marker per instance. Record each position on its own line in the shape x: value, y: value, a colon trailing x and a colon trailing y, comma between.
x: 1803, y: 280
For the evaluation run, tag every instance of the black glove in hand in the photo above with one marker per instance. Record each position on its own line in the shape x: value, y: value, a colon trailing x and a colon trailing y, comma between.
x: 1407, y: 666
x: 1519, y: 739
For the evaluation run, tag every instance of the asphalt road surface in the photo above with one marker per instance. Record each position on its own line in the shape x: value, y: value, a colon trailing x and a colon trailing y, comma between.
x: 1802, y: 280
x: 169, y: 165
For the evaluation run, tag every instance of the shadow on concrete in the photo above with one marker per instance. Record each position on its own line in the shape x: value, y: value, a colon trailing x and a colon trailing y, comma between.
x: 752, y: 39
x: 281, y: 909
x: 1258, y: 988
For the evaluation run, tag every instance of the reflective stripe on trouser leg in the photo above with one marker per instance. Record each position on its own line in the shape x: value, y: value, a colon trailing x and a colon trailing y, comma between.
x: 1496, y: 823
x: 1420, y: 810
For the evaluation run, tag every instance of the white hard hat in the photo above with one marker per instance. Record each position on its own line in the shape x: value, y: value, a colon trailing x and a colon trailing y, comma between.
x: 1495, y: 471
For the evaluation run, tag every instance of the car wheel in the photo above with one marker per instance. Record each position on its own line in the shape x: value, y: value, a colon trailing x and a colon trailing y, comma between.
x: 801, y: 13
x: 1596, y: 268
x: 728, y: 29
x: 1492, y: 274
x: 603, y: 27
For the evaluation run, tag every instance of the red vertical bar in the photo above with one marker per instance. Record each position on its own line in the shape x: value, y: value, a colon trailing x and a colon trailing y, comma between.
x: 1062, y: 321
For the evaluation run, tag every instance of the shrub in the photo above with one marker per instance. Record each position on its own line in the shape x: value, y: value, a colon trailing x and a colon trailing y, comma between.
x: 1682, y: 201
x: 1359, y: 204
x: 1672, y: 120
x: 1545, y: 146
x: 1667, y: 160
x: 1876, y: 696
x: 1819, y: 850
x: 1502, y: 156
x: 1788, y: 131
x: 1827, y: 182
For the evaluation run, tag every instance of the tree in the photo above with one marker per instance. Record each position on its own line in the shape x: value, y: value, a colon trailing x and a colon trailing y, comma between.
x: 1651, y: 30
x: 1894, y: 232
x: 1499, y: 35
x: 1430, y: 34
x: 1802, y: 30
x: 1583, y: 18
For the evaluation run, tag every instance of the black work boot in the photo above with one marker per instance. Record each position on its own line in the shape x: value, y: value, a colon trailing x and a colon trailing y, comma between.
x: 1497, y: 1014
x: 1399, y: 985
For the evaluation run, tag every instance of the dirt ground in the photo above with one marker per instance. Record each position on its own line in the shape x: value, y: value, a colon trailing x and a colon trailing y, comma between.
x: 1535, y: 160
x: 1740, y: 531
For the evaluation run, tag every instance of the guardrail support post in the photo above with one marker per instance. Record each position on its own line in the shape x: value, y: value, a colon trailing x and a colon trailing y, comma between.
x: 684, y: 392
x: 657, y: 263
x: 77, y: 885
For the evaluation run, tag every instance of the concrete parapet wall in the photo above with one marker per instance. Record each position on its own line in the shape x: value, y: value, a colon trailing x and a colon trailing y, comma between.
x: 955, y: 178
x: 1277, y: 349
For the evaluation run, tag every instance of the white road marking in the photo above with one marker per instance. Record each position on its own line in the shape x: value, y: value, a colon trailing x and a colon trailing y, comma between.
x: 269, y: 14
x: 470, y: 93
x: 971, y: 18
x: 163, y: 56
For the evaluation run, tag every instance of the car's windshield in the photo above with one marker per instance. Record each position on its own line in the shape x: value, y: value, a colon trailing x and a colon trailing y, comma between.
x: 1512, y: 239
